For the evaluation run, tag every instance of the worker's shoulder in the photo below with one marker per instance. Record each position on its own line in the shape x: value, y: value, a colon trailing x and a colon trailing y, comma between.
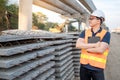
x: 107, y: 37
x: 107, y: 33
x: 82, y: 34
x: 83, y: 31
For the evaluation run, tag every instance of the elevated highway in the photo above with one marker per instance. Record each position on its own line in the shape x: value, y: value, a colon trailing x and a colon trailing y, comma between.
x: 78, y: 9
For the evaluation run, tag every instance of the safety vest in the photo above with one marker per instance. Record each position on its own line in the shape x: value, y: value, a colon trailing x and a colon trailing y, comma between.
x: 94, y: 59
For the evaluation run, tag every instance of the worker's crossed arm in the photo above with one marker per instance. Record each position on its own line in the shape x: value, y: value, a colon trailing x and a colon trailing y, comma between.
x: 98, y: 47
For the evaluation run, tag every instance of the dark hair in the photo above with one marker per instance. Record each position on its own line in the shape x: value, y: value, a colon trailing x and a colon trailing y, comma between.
x: 101, y: 19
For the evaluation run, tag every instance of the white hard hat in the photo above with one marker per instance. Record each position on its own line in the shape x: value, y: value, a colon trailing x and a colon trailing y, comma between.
x: 98, y: 13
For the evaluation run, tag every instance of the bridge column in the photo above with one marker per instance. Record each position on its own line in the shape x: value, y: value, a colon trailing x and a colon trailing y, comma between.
x: 79, y: 24
x: 66, y: 28
x: 25, y: 14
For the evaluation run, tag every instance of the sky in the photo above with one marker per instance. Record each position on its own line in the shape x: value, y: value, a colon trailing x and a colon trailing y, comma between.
x: 13, y: 1
x: 52, y: 16
x: 111, y: 8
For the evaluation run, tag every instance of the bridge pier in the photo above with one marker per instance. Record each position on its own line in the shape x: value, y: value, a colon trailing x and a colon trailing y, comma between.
x: 25, y: 14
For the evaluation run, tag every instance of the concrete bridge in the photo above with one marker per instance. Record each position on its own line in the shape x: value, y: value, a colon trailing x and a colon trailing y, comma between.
x: 78, y: 9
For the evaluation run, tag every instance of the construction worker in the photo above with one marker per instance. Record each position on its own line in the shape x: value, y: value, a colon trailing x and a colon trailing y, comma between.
x: 94, y: 45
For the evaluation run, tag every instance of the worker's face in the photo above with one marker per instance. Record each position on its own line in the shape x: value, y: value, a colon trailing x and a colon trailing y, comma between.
x: 93, y: 21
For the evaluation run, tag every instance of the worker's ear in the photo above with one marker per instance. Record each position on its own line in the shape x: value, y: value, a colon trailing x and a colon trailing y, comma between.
x: 103, y: 19
x: 98, y: 21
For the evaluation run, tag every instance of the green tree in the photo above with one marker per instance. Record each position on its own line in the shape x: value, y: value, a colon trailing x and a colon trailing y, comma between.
x: 39, y: 20
x: 36, y: 21
x: 12, y: 15
x: 8, y: 16
x: 49, y: 25
x: 71, y: 27
x: 3, y: 4
x: 41, y: 17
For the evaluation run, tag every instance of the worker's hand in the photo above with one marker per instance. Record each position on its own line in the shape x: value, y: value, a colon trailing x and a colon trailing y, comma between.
x: 97, y: 44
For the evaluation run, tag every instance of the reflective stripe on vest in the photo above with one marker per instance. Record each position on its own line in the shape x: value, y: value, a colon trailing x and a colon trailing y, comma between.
x: 94, y: 59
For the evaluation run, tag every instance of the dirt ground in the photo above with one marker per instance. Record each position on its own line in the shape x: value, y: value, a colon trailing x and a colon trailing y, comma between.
x: 112, y: 71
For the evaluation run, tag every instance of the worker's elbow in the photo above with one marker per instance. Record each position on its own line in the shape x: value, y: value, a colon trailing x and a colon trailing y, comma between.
x: 76, y: 46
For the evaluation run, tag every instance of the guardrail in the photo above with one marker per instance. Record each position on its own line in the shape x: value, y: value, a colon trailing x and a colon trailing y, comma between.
x: 38, y: 55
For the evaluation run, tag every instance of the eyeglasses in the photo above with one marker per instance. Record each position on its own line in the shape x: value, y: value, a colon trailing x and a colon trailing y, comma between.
x: 94, y: 18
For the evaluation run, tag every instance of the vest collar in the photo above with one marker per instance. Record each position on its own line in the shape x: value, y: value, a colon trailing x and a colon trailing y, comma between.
x: 93, y: 34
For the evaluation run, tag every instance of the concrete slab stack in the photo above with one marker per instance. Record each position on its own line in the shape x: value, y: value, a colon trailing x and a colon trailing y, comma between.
x: 76, y: 55
x: 63, y: 61
x: 26, y: 61
x: 37, y: 56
